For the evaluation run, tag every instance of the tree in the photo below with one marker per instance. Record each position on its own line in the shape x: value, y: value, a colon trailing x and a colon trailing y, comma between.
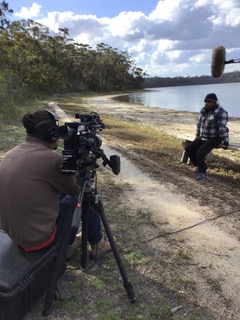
x: 4, y: 11
x: 42, y: 63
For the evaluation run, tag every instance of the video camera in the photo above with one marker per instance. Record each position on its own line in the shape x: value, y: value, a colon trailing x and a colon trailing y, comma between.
x: 82, y: 144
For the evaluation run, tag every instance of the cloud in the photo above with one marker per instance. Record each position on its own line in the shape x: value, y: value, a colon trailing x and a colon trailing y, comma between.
x: 30, y: 13
x: 176, y: 39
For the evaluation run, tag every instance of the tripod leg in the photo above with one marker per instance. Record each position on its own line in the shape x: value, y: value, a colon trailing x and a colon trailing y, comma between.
x: 127, y: 284
x: 84, y: 255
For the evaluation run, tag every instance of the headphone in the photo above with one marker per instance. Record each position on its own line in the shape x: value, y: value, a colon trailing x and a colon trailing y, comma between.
x: 47, y: 129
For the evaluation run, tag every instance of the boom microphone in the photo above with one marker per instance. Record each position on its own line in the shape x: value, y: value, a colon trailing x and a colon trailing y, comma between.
x: 218, y: 61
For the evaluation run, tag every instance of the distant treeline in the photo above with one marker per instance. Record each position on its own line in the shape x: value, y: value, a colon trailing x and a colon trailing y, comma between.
x: 34, y: 62
x: 156, y: 82
x: 38, y: 62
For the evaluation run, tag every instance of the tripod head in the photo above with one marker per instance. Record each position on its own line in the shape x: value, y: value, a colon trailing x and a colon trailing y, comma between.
x: 82, y: 145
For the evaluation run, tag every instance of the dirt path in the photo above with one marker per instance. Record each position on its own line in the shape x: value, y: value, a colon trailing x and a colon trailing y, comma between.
x: 214, y: 246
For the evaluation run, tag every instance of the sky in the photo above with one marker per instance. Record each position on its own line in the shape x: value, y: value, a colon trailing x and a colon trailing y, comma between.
x: 166, y: 38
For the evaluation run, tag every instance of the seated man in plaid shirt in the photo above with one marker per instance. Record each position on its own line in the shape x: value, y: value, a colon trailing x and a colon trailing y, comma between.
x: 211, y: 131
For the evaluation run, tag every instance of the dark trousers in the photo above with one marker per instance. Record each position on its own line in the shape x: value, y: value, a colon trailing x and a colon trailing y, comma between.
x: 94, y: 221
x: 198, y: 149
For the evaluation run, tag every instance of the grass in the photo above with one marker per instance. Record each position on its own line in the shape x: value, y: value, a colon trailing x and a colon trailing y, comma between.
x: 214, y: 284
x: 12, y: 131
x: 161, y: 281
x: 143, y: 137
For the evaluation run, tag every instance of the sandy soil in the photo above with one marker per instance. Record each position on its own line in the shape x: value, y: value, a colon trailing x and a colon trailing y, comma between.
x: 213, y: 242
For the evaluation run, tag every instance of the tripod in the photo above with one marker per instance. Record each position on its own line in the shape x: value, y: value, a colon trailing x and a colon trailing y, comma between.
x: 88, y: 200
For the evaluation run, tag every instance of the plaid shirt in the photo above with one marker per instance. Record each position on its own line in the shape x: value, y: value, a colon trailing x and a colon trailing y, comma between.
x: 213, y: 124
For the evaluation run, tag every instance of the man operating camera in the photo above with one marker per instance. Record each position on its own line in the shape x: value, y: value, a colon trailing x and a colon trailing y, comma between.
x: 35, y: 196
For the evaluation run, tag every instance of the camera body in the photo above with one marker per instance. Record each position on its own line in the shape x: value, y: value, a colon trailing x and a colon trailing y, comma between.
x: 82, y: 144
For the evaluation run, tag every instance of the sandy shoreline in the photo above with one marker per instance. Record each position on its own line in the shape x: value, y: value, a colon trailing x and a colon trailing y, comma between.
x: 173, y: 122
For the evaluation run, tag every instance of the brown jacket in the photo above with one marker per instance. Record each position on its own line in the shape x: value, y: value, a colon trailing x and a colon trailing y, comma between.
x: 30, y: 183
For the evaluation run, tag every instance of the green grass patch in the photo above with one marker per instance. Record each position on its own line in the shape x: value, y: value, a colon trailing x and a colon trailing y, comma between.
x: 12, y: 131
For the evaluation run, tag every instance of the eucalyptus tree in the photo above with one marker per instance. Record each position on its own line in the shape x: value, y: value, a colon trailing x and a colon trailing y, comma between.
x: 23, y: 54
x: 6, y: 89
x: 113, y: 68
x: 4, y: 12
x: 41, y: 62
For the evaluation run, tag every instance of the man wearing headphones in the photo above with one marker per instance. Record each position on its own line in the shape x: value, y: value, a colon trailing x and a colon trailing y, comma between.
x: 34, y: 195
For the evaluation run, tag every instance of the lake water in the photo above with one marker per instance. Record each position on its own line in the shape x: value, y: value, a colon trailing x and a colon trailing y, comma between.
x: 190, y: 98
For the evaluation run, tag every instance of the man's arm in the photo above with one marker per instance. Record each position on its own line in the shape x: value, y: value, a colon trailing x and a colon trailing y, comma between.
x: 198, y: 125
x: 64, y: 183
x: 223, y: 129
